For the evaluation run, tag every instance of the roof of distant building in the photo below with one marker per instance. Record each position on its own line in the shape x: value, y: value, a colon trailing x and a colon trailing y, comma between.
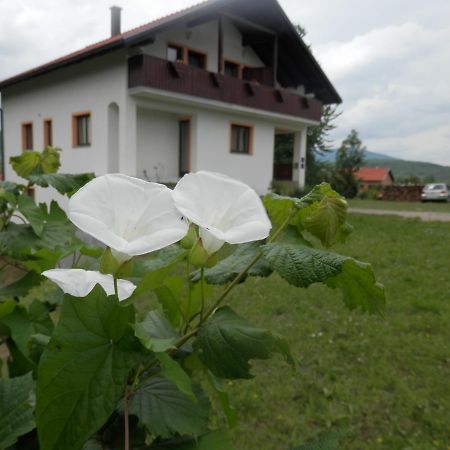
x: 373, y: 174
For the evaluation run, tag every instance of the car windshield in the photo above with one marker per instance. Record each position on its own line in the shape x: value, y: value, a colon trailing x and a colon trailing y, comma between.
x: 435, y: 187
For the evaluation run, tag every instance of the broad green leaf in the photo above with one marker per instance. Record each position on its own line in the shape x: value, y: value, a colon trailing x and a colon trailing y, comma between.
x: 64, y: 183
x: 216, y: 440
x: 279, y: 207
x: 35, y: 163
x: 21, y: 287
x: 155, y: 332
x: 173, y: 372
x: 17, y: 240
x: 230, y: 267
x: 16, y: 409
x: 36, y: 346
x: 83, y: 371
x: 164, y: 410
x: 226, y: 342
x: 303, y: 266
x: 32, y: 213
x: 359, y: 286
x: 230, y: 413
x: 170, y: 296
x: 42, y: 259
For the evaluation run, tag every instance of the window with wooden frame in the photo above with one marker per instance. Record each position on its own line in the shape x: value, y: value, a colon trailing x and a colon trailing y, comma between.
x: 48, y: 133
x: 27, y: 136
x: 233, y: 69
x: 241, y: 139
x: 175, y: 53
x: 81, y: 129
x: 196, y: 59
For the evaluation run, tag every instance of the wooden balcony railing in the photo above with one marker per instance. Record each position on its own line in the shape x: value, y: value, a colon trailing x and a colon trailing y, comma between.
x: 157, y: 73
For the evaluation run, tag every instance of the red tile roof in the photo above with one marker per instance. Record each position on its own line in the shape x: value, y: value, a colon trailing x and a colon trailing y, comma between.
x: 109, y: 43
x: 374, y: 174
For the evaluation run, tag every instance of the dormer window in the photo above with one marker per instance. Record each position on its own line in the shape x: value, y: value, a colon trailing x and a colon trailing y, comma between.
x: 232, y: 69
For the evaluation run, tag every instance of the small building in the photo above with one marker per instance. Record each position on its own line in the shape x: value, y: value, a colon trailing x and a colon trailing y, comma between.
x: 374, y: 176
x: 206, y: 88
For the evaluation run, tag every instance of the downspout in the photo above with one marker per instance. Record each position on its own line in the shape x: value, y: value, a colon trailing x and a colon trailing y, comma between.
x: 2, y: 147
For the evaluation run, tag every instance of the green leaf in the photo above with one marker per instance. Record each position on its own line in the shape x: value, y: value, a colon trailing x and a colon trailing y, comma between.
x: 216, y: 440
x: 226, y: 342
x: 83, y: 371
x: 21, y: 287
x: 42, y: 259
x: 230, y: 267
x: 35, y: 163
x: 359, y: 286
x: 155, y: 332
x: 230, y: 413
x: 16, y: 409
x: 279, y: 207
x: 164, y: 410
x: 170, y: 296
x: 32, y: 213
x: 303, y: 266
x: 64, y: 183
x: 173, y: 372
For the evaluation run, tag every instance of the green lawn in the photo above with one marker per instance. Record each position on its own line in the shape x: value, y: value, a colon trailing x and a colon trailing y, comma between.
x: 384, y: 382
x: 402, y: 206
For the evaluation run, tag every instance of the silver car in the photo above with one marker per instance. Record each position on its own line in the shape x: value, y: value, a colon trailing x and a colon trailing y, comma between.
x: 435, y: 192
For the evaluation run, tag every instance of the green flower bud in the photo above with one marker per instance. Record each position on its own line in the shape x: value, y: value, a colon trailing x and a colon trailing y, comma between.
x: 110, y: 265
x: 190, y: 239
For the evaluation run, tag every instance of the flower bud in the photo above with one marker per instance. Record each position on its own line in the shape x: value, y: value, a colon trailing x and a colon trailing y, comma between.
x: 190, y: 239
x: 198, y: 256
x: 110, y: 264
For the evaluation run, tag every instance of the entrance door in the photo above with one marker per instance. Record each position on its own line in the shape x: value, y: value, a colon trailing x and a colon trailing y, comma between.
x: 185, y: 146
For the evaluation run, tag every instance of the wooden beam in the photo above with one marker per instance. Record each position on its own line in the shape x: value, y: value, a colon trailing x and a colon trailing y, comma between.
x: 275, y: 60
x: 220, y: 60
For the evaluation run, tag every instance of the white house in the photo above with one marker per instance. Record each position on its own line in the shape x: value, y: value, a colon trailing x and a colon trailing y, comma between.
x: 204, y: 88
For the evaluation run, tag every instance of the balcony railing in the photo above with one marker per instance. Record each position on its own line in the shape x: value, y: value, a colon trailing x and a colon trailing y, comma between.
x: 157, y: 73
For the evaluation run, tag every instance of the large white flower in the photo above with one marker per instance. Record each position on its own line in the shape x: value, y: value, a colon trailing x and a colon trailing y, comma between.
x: 129, y: 215
x: 79, y: 282
x: 225, y: 209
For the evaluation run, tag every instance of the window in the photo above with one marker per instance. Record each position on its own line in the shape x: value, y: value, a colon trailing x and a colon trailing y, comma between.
x: 232, y: 69
x: 27, y: 136
x: 174, y: 53
x: 196, y: 59
x: 81, y: 129
x: 241, y: 139
x: 48, y: 133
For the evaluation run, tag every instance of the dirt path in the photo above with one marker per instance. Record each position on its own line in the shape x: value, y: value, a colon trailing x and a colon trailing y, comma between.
x: 427, y: 216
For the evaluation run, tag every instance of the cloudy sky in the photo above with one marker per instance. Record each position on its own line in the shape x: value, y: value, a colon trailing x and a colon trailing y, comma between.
x: 389, y: 59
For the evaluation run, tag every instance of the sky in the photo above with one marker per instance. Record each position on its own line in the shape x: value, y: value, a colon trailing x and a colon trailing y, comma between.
x: 388, y: 59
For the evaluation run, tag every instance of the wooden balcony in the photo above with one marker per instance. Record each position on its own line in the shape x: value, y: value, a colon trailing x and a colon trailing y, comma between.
x: 149, y: 71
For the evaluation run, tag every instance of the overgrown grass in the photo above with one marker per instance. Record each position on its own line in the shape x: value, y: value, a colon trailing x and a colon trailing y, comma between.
x: 384, y: 382
x: 400, y: 206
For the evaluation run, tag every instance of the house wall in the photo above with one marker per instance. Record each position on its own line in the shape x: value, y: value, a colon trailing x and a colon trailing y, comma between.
x: 205, y: 38
x: 90, y: 86
x: 157, y: 145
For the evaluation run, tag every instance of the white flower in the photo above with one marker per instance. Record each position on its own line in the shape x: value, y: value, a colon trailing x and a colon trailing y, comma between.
x: 131, y: 216
x: 226, y: 210
x: 79, y: 282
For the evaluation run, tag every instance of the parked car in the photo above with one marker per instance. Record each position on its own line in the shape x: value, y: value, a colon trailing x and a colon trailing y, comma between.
x: 435, y: 192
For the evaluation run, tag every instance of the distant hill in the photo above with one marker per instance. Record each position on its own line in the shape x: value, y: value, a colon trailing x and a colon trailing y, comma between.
x: 331, y: 156
x: 426, y: 172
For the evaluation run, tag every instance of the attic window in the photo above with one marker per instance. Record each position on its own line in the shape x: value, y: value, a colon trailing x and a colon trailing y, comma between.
x: 196, y: 59
x: 174, y: 53
x: 232, y: 69
x: 81, y: 129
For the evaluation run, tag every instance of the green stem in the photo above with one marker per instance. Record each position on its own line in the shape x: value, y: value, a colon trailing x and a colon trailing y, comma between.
x: 126, y: 421
x: 116, y: 289
x: 188, y: 320
x: 202, y: 288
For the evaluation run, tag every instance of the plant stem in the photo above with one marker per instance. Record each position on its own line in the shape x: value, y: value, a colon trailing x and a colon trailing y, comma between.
x: 202, y: 288
x: 126, y: 421
x: 116, y: 289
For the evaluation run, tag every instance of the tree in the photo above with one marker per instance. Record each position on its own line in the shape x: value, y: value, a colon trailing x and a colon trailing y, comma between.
x: 349, y: 159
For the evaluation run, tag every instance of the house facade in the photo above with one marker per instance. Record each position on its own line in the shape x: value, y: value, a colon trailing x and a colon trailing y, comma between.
x: 207, y: 88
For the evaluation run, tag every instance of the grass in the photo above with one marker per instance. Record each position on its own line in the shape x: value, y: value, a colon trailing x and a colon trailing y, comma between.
x: 384, y: 382
x: 400, y: 206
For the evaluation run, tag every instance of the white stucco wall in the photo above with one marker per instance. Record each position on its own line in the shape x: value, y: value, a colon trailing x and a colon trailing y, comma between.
x: 90, y: 86
x: 205, y: 39
x: 157, y: 145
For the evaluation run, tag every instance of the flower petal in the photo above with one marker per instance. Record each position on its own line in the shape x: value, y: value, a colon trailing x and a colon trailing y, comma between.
x: 130, y: 215
x: 79, y: 282
x: 227, y: 209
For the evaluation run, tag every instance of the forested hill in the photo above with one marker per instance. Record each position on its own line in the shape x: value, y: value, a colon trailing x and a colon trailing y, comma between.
x: 425, y: 172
